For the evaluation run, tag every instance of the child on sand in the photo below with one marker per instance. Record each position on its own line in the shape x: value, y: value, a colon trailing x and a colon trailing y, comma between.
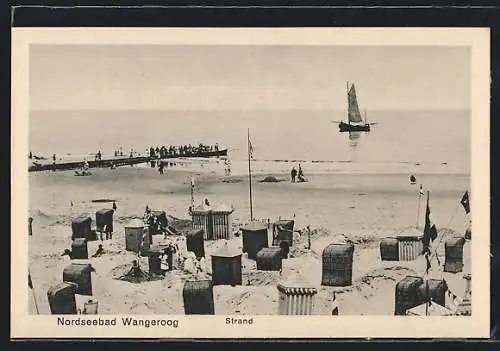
x: 100, y: 251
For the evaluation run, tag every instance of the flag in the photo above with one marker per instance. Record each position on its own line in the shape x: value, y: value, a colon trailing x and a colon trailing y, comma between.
x: 465, y: 202
x: 428, y: 263
x: 250, y: 149
x: 430, y: 231
x: 30, y: 283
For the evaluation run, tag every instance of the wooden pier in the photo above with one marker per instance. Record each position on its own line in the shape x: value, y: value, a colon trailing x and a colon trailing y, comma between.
x: 117, y: 162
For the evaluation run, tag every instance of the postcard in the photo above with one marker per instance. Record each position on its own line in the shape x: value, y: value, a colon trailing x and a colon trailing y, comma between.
x: 250, y: 183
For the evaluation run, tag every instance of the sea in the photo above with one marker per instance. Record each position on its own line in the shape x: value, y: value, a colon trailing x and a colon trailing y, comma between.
x: 423, y: 142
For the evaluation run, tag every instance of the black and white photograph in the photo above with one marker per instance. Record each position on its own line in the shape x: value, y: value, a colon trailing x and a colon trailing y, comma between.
x: 261, y: 175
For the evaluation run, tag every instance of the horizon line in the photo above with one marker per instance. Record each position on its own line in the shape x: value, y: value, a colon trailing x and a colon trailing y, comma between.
x: 247, y: 110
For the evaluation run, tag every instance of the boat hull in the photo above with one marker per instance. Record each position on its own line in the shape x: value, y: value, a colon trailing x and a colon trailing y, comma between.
x: 345, y: 127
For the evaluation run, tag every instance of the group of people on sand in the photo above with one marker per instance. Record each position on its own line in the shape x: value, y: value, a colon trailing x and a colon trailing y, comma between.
x: 166, y: 258
x: 297, y: 176
x: 181, y: 150
x: 85, y: 168
x: 157, y: 223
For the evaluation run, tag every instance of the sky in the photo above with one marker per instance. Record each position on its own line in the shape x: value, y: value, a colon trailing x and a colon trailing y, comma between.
x: 182, y: 77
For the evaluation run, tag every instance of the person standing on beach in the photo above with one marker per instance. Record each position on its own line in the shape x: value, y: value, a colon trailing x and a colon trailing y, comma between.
x: 293, y: 174
x: 54, y: 162
x: 301, y: 175
x: 147, y: 215
x: 114, y: 206
x: 164, y: 262
x: 171, y: 250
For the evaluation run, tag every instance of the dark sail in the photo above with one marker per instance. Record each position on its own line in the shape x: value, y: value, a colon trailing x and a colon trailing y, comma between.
x: 353, y: 109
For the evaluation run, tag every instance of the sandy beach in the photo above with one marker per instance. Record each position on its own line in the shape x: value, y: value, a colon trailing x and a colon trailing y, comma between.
x: 360, y: 209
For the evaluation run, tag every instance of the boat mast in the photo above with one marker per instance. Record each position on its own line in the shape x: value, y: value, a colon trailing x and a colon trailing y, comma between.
x: 347, y: 95
x: 249, y: 173
x: 428, y: 298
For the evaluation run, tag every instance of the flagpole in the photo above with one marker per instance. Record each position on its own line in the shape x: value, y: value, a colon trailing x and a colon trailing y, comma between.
x: 418, y: 209
x: 347, y: 96
x: 192, y: 192
x: 249, y: 175
x: 427, y: 272
x: 427, y: 303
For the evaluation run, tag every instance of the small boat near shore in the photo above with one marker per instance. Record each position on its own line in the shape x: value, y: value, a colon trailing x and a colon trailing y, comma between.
x: 82, y: 173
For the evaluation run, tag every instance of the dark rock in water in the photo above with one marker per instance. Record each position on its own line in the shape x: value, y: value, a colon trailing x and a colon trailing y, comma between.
x: 271, y: 179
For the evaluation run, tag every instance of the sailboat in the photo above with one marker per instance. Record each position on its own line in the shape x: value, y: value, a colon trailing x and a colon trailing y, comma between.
x: 355, y: 120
